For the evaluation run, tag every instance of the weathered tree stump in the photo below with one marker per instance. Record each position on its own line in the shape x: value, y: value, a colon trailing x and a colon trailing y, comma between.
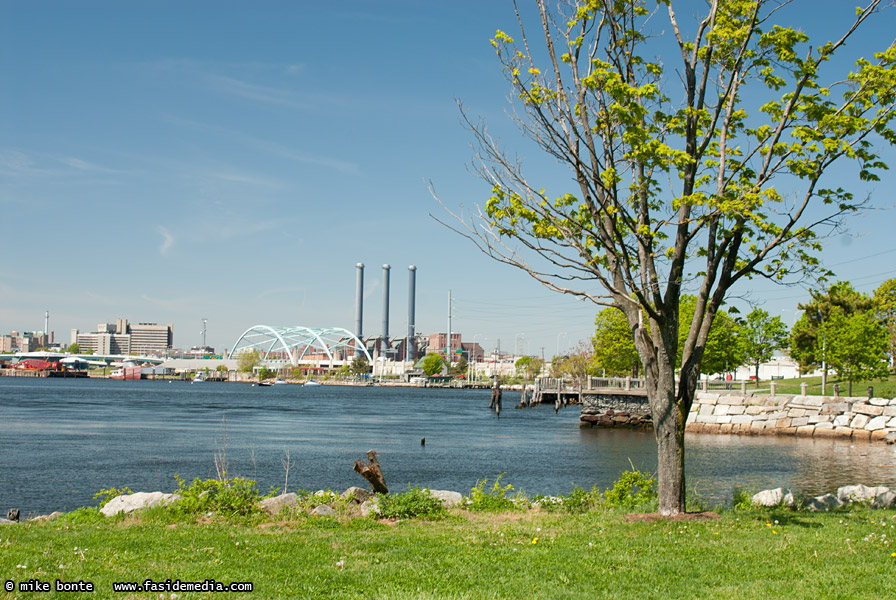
x: 13, y: 514
x: 370, y: 470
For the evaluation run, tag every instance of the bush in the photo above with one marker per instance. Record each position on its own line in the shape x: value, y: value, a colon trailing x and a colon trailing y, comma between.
x: 743, y: 500
x: 633, y: 488
x: 493, y: 500
x: 414, y: 502
x: 83, y: 515
x: 104, y: 496
x: 230, y: 498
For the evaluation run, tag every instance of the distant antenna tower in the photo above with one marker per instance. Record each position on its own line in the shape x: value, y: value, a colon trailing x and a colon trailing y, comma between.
x: 204, y: 323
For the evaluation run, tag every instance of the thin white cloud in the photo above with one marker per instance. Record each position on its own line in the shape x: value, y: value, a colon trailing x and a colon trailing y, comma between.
x: 245, y: 178
x: 167, y: 240
x: 347, y: 167
x: 342, y: 166
x: 251, y: 91
x: 83, y: 165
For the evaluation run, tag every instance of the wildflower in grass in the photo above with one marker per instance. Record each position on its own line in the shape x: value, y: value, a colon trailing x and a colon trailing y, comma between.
x: 535, y: 540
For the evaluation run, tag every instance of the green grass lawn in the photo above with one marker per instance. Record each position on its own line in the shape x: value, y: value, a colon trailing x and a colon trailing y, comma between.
x: 882, y: 389
x: 531, y: 554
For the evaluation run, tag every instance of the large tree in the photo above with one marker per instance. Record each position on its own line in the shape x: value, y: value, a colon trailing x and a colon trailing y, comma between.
x: 614, y: 346
x: 673, y: 170
x: 855, y: 345
x: 807, y: 340
x: 885, y: 307
x: 615, y: 352
x: 761, y: 335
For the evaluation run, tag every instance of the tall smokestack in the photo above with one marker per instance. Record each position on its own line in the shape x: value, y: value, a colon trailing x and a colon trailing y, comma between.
x: 412, y: 287
x: 47, y: 325
x: 385, y: 308
x: 359, y: 306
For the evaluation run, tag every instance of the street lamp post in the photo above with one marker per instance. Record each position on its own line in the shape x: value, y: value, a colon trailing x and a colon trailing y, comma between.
x: 558, y: 342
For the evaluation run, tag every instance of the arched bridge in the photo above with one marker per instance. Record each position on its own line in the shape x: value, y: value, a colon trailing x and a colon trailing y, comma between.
x: 299, y: 343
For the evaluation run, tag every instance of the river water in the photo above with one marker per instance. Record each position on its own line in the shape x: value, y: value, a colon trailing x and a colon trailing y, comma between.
x: 62, y: 440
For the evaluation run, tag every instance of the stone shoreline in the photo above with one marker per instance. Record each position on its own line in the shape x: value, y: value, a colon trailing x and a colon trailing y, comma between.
x: 852, y: 418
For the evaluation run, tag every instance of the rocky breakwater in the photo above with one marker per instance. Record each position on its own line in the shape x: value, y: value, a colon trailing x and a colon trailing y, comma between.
x: 852, y: 418
x: 621, y: 408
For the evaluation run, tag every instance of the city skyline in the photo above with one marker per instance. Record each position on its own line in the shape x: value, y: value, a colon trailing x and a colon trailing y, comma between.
x: 163, y: 162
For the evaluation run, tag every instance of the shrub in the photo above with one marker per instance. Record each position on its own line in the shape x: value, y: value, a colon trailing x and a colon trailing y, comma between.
x: 83, y: 515
x: 742, y: 500
x: 229, y: 498
x: 578, y: 500
x: 633, y: 488
x: 414, y: 502
x: 492, y: 500
x: 308, y: 500
x: 104, y: 496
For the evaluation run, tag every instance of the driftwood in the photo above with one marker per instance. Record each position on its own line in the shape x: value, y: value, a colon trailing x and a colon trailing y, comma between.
x: 370, y: 470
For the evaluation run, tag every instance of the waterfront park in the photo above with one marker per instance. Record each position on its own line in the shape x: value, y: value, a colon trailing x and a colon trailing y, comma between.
x: 687, y: 178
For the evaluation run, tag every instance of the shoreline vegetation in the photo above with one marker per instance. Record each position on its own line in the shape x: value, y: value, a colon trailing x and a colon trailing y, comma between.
x: 494, y: 543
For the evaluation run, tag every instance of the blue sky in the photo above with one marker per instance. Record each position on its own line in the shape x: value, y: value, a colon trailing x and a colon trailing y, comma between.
x: 174, y: 161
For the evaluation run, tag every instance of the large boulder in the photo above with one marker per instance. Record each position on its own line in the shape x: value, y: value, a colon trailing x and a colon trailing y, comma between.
x: 128, y: 503
x: 447, y: 498
x: 273, y: 506
x: 826, y: 502
x: 775, y: 497
x: 358, y: 495
x: 884, y: 499
x: 370, y: 507
x: 860, y: 493
x: 323, y: 511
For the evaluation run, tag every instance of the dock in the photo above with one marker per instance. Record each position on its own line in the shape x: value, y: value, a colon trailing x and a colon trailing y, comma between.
x: 42, y: 373
x: 562, y: 392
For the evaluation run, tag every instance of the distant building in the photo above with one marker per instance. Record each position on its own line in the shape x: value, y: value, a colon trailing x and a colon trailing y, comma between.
x: 150, y: 337
x: 473, y: 352
x: 200, y: 352
x: 27, y: 341
x: 438, y: 343
x: 122, y: 337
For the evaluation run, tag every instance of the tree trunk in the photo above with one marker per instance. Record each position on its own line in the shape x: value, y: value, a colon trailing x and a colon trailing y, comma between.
x: 670, y: 462
x: 669, y: 421
x: 372, y: 473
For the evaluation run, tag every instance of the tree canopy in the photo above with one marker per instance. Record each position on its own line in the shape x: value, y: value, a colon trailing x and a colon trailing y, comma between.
x: 761, y: 335
x: 674, y: 166
x: 807, y: 342
x: 855, y: 345
x: 885, y: 307
x: 577, y: 365
x: 614, y: 346
x: 433, y: 363
x: 528, y: 367
x: 248, y: 359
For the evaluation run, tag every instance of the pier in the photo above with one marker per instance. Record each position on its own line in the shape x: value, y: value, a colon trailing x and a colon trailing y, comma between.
x: 560, y: 392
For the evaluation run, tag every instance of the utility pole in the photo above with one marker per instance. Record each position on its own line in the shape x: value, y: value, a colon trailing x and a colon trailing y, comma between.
x: 448, y: 351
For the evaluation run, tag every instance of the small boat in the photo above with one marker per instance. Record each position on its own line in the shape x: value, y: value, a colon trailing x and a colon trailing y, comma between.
x: 200, y: 378
x: 127, y: 371
x: 279, y: 381
x: 265, y: 383
x: 311, y: 382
